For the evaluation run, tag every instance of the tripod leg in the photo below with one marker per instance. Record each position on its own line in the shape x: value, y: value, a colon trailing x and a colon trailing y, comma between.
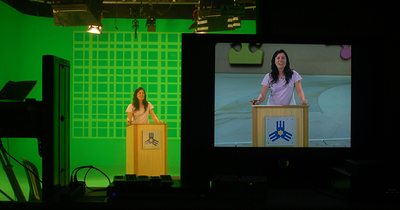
x: 10, y: 174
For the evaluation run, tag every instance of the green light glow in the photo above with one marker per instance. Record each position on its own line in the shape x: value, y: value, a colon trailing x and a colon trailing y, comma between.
x: 105, y: 70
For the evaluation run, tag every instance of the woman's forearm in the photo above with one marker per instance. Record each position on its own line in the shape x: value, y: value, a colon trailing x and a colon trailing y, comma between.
x: 301, y: 95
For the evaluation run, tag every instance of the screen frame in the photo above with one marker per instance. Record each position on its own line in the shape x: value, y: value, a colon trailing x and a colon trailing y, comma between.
x: 200, y: 160
x: 322, y: 70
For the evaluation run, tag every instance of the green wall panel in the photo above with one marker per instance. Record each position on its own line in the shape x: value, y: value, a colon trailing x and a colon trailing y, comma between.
x: 106, y: 73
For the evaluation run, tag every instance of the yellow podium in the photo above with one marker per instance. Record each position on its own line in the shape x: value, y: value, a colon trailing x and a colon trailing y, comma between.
x: 146, y: 149
x: 280, y: 126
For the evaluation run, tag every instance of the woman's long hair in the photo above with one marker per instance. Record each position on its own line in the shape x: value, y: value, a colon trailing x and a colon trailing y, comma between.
x: 287, y: 70
x: 136, y: 100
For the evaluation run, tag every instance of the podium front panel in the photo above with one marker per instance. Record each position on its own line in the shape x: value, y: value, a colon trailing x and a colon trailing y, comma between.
x: 277, y: 135
x: 146, y: 149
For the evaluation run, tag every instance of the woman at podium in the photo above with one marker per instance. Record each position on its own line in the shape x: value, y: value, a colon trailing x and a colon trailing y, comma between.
x: 138, y: 111
x: 281, y: 80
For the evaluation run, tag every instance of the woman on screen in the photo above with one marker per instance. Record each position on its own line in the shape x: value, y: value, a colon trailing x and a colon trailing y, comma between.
x: 281, y: 80
x: 138, y: 111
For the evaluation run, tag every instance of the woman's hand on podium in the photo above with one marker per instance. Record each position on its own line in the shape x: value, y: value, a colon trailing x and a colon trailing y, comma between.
x: 254, y: 102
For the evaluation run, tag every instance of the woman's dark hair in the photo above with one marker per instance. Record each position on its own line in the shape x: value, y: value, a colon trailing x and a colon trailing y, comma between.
x: 287, y: 70
x: 136, y: 100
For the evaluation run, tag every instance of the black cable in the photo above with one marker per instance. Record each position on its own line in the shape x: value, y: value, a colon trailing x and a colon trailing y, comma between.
x: 170, y: 5
x: 5, y: 194
x: 2, y: 147
x: 75, y: 176
x: 116, y: 15
x: 84, y: 180
x: 8, y: 147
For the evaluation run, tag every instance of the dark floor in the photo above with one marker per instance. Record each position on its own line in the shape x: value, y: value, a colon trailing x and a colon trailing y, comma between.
x: 258, y: 195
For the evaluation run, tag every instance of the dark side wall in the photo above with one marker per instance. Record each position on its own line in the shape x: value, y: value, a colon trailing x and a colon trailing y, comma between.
x: 332, y: 18
x: 372, y: 28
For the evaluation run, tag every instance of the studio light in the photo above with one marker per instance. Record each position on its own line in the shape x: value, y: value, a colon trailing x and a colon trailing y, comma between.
x: 77, y: 13
x: 151, y: 24
x: 94, y: 29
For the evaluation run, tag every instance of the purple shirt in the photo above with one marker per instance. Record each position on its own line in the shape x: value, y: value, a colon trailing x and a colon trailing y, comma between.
x: 281, y: 93
x: 140, y: 116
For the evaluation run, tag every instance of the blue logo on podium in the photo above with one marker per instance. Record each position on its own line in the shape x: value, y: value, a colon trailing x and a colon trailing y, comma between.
x: 280, y: 132
x: 151, y: 140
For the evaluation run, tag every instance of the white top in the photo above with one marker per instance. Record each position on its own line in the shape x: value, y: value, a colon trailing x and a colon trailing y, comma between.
x: 281, y: 93
x: 140, y: 116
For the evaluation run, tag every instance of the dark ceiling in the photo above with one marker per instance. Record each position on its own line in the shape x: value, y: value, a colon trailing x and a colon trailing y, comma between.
x: 160, y: 9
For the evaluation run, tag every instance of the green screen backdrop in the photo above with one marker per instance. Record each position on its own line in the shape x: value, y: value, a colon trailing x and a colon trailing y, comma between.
x: 105, y: 71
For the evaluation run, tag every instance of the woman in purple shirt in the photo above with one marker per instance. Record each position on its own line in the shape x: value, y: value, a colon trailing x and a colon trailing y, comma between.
x: 138, y: 111
x: 282, y: 81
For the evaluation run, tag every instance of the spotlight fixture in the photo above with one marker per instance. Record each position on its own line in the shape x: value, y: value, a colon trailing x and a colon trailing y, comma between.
x: 76, y: 13
x: 151, y: 24
x: 94, y: 29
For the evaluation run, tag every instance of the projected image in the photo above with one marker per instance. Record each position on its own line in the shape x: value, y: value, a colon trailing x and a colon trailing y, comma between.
x: 326, y: 82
